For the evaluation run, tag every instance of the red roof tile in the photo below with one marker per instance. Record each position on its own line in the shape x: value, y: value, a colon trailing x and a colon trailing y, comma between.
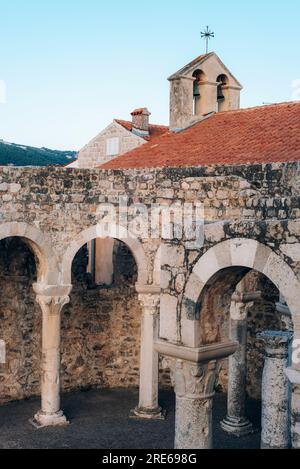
x: 155, y: 130
x: 256, y: 135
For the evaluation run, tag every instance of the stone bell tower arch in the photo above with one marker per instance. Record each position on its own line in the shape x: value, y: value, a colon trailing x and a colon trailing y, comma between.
x: 202, y: 87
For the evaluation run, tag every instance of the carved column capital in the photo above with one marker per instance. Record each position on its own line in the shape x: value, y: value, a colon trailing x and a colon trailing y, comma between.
x: 52, y: 298
x: 149, y: 302
x: 52, y: 304
x: 194, y: 380
x: 276, y: 343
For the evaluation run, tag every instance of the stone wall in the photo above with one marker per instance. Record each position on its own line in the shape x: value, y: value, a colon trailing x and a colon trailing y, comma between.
x: 100, y: 327
x: 58, y: 208
x: 20, y: 322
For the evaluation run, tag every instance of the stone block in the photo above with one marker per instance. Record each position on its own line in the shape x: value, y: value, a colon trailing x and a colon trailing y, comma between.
x: 168, y: 318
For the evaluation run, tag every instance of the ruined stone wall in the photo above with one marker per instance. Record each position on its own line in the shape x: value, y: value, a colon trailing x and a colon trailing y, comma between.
x: 259, y: 202
x: 256, y: 201
x: 100, y: 327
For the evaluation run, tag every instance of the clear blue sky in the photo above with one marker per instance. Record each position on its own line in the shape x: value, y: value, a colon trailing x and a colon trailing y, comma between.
x: 71, y: 66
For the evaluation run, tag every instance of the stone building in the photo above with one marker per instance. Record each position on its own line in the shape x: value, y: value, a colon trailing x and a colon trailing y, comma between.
x: 227, y: 285
x: 118, y: 138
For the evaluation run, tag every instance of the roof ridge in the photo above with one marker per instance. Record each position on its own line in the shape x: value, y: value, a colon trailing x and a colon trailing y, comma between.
x: 254, y: 108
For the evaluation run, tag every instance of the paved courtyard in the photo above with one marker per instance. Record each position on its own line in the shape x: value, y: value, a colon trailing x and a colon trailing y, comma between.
x: 99, y: 419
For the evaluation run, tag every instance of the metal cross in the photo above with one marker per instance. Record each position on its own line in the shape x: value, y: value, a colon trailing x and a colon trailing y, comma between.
x: 207, y: 35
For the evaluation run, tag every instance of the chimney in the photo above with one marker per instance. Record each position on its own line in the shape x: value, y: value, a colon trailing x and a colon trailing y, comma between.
x: 140, y: 122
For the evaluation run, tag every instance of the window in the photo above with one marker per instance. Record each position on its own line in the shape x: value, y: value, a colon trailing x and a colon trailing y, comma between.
x: 112, y: 146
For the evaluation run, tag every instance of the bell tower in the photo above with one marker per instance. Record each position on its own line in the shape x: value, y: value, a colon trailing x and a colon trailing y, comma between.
x: 202, y: 87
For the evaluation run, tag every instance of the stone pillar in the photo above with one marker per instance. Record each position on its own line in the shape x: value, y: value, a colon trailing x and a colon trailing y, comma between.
x: 51, y: 306
x: 104, y: 265
x: 148, y: 407
x: 101, y: 265
x: 236, y: 422
x: 194, y: 388
x: 194, y: 372
x: 275, y: 391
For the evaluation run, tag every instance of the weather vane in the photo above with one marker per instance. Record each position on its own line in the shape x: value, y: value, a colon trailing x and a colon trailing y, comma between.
x: 207, y: 35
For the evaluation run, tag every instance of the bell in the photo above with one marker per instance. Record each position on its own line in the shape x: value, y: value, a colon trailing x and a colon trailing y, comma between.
x: 196, y: 89
x: 221, y: 96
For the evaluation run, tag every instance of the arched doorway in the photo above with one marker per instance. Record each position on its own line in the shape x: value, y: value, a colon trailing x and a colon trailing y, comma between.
x: 132, y: 292
x: 197, y: 358
x: 242, y: 255
x: 238, y: 304
x: 101, y: 326
x: 26, y: 258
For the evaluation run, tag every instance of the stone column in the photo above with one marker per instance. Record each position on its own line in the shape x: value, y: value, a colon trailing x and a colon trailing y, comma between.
x: 148, y: 407
x: 275, y: 391
x: 294, y: 377
x: 101, y: 264
x: 194, y: 388
x: 194, y: 372
x: 51, y: 306
x: 236, y: 422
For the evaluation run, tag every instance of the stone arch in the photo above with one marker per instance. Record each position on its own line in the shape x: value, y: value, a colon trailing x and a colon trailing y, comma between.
x: 100, y: 231
x: 40, y: 244
x: 199, y: 78
x: 238, y: 252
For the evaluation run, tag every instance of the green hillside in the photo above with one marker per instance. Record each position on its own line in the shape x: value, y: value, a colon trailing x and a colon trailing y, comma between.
x: 22, y: 155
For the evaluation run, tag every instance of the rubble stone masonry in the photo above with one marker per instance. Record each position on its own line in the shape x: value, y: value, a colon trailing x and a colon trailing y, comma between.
x: 101, y: 327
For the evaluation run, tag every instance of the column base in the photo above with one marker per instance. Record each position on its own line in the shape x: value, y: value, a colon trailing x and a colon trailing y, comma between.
x: 237, y: 427
x: 42, y: 420
x: 140, y: 413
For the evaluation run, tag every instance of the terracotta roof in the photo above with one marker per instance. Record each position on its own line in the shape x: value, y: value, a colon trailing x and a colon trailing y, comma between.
x: 256, y: 135
x: 155, y: 130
